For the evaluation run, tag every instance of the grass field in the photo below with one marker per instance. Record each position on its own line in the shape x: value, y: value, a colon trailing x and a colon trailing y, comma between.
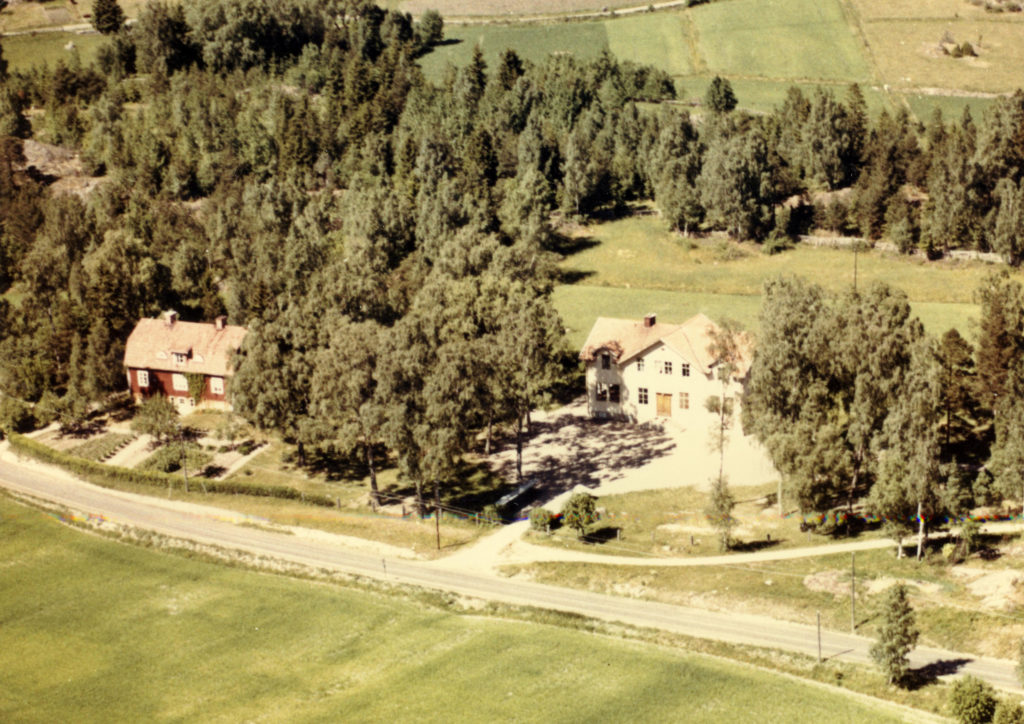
x: 780, y: 39
x: 764, y: 47
x: 905, y: 52
x: 634, y: 266
x: 579, y: 305
x: 652, y: 39
x: 532, y: 42
x: 952, y: 107
x: 97, y: 630
x: 22, y: 52
x: 947, y: 614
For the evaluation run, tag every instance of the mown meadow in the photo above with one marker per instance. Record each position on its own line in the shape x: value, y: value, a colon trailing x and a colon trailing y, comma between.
x: 633, y: 266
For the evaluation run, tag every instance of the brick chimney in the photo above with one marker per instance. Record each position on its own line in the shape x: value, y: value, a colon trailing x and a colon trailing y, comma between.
x: 219, y: 322
x: 170, y: 317
x: 649, y: 320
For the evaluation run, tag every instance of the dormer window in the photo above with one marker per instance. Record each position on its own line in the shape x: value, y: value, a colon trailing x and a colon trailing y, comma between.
x: 179, y: 358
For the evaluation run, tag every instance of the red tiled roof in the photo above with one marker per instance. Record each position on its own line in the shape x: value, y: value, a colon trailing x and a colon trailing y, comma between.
x: 152, y: 342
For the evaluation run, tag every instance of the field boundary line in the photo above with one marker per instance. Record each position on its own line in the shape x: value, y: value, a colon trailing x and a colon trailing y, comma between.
x: 856, y: 24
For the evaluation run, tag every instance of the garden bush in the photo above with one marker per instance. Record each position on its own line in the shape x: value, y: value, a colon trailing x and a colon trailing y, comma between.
x: 540, y: 519
x: 972, y: 701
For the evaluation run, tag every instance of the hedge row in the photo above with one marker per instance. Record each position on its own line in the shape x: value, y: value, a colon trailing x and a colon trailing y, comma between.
x: 111, y: 476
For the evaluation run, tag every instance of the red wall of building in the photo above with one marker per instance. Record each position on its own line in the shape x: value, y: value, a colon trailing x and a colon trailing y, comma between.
x: 161, y: 382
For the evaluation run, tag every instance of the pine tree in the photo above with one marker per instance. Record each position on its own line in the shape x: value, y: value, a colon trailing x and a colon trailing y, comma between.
x: 107, y: 16
x: 897, y: 635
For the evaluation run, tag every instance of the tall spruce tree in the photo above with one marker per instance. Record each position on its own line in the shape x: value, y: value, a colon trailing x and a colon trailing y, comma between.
x: 897, y: 635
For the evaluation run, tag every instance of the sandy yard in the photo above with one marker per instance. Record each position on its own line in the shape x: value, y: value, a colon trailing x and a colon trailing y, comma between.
x: 567, y: 449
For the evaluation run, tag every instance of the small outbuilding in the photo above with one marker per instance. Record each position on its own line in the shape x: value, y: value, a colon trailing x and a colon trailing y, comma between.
x: 188, y: 362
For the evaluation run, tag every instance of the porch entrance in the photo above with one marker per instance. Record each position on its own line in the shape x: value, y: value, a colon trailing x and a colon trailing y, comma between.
x: 664, y: 405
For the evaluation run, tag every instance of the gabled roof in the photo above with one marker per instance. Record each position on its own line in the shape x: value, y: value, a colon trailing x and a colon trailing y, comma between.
x: 624, y: 338
x: 627, y: 339
x: 153, y: 341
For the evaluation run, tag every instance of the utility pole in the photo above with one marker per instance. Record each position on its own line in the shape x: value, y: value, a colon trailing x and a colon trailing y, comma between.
x: 819, y: 637
x: 437, y: 512
x: 853, y: 592
x: 856, y: 248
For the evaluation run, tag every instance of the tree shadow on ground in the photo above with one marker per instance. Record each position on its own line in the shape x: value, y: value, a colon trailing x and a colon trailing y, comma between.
x: 926, y: 675
x: 570, y: 245
x: 753, y: 546
x: 580, y: 451
x: 602, y: 535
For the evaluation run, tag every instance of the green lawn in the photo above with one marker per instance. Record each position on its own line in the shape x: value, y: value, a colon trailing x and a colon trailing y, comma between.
x: 23, y: 52
x: 657, y: 39
x: 633, y: 266
x: 781, y: 39
x: 638, y: 251
x: 952, y: 107
x: 95, y: 630
x: 764, y: 96
x: 533, y: 42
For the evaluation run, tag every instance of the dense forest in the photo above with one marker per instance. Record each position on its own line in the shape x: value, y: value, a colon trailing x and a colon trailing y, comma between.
x: 390, y: 242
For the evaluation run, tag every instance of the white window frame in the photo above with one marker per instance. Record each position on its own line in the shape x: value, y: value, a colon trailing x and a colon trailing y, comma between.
x: 179, y: 358
x: 640, y: 365
x: 142, y: 377
x: 684, y: 400
x: 179, y: 382
x: 642, y: 396
x: 216, y: 385
x: 666, y: 367
x: 685, y: 369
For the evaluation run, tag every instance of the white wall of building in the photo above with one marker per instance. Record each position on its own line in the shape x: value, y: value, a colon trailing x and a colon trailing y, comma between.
x: 659, y: 371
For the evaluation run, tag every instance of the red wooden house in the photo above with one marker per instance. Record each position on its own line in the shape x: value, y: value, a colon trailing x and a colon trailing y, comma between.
x: 182, y: 360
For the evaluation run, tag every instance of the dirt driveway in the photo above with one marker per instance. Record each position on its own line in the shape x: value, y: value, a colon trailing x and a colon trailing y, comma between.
x: 567, y: 448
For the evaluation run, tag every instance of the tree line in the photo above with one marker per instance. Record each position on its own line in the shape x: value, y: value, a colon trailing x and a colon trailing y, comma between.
x: 858, y: 406
x: 288, y: 164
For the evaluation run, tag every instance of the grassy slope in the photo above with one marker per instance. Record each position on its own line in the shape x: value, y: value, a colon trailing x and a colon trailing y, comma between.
x: 95, y: 630
x: 531, y: 42
x: 791, y: 39
x: 23, y: 52
x: 634, y: 267
x: 763, y: 48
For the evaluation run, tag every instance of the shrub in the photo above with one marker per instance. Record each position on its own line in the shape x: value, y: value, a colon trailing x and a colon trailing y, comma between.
x: 1008, y: 712
x: 579, y: 512
x: 101, y: 448
x: 972, y: 701
x: 169, y: 458
x: 540, y: 519
x: 491, y: 514
x: 15, y: 416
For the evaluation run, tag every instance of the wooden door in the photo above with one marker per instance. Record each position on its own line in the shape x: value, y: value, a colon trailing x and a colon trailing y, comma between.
x: 664, y: 405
